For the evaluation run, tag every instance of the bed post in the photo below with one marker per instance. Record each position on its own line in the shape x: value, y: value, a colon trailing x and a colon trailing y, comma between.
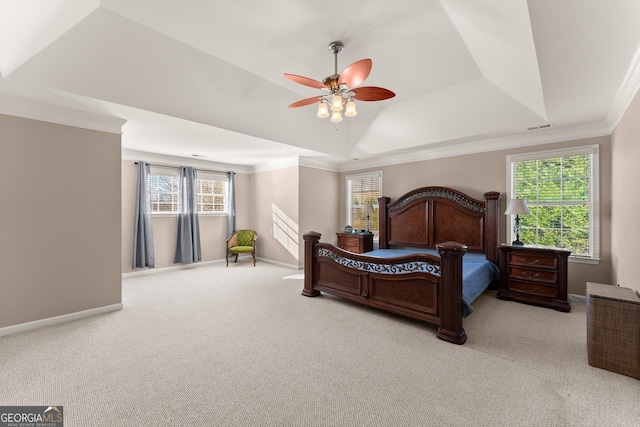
x: 310, y: 239
x: 382, y: 222
x: 450, y: 292
x: 491, y: 225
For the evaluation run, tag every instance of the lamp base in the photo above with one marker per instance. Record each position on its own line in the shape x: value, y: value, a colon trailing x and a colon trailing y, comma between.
x: 517, y: 243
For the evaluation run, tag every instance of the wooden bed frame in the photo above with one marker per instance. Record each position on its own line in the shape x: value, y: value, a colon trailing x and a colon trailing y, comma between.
x: 420, y: 286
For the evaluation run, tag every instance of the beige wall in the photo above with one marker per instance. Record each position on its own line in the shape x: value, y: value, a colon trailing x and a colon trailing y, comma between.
x: 60, y: 220
x: 213, y: 228
x: 478, y: 173
x: 76, y: 255
x: 625, y: 181
x: 280, y: 205
x: 275, y: 215
x: 319, y: 204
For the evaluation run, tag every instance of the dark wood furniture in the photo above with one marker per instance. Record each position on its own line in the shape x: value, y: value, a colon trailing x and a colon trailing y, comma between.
x: 420, y: 286
x: 534, y: 275
x: 355, y: 242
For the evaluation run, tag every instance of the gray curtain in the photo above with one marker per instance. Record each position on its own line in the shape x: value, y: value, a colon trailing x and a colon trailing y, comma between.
x: 188, y: 244
x: 143, y: 255
x: 231, y: 219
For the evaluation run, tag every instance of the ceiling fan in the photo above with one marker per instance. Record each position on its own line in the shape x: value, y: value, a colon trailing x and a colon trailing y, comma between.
x: 343, y: 88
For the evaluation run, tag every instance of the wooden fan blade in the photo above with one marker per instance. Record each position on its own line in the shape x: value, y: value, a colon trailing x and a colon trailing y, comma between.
x: 372, y: 93
x: 355, y: 73
x: 304, y: 102
x: 306, y: 81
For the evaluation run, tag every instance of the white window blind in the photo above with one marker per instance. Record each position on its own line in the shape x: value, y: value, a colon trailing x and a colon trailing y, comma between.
x: 361, y: 189
x: 212, y: 191
x: 561, y: 190
x: 164, y: 190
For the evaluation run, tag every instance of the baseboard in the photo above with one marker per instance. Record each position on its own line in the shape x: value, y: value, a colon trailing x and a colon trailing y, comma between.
x: 201, y: 264
x: 170, y: 268
x: 22, y: 327
x: 581, y: 298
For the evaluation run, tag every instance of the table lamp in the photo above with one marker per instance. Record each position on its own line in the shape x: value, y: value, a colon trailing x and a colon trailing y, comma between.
x: 517, y: 207
x: 368, y: 209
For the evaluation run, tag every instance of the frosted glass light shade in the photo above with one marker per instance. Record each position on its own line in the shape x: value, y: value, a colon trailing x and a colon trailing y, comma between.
x: 336, y: 102
x: 336, y: 117
x: 350, y: 111
x: 323, y: 110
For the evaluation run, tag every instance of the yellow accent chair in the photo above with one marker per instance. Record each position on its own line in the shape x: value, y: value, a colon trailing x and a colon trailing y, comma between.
x: 242, y: 242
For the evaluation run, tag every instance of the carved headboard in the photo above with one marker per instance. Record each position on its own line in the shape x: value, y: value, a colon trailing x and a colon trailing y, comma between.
x: 427, y: 216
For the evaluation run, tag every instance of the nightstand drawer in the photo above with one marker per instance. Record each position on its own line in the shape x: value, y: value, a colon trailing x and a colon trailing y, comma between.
x: 532, y: 260
x: 532, y: 275
x: 349, y: 241
x: 351, y: 248
x: 530, y: 288
x: 355, y: 242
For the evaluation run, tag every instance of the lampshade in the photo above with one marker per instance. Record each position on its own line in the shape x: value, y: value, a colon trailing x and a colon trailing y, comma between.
x: 336, y: 102
x: 350, y: 111
x: 368, y: 208
x: 517, y: 207
x: 323, y: 109
x: 336, y: 117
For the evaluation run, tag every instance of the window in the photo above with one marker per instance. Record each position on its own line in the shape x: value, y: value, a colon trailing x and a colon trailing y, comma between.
x: 363, y: 188
x: 561, y: 190
x: 212, y: 191
x: 164, y: 190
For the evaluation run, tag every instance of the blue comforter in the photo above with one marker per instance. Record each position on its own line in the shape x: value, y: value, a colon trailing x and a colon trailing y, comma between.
x: 477, y: 272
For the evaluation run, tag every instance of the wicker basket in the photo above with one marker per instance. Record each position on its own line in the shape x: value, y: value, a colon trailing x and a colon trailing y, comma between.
x: 613, y: 329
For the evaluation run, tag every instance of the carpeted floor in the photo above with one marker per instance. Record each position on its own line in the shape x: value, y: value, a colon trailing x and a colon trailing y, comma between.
x: 239, y: 346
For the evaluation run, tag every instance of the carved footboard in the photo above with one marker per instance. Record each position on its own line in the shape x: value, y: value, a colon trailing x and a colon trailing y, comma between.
x: 420, y: 286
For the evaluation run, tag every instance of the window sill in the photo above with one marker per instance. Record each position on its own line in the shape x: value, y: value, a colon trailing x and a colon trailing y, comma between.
x: 581, y: 260
x: 174, y: 214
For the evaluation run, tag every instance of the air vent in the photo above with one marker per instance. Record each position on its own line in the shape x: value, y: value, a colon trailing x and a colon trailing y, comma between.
x: 540, y: 127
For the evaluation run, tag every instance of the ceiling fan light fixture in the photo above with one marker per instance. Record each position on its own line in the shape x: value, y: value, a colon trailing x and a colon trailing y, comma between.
x: 323, y: 110
x: 350, y: 110
x: 343, y: 88
x: 336, y: 102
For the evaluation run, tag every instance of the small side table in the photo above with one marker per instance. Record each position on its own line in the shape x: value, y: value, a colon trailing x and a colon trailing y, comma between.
x: 355, y: 242
x: 613, y: 329
x: 534, y: 275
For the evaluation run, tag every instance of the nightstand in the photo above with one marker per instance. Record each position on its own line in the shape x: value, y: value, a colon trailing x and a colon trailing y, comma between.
x: 534, y: 275
x: 355, y: 242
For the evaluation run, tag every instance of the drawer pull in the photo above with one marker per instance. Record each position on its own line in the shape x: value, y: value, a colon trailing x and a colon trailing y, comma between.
x: 530, y: 276
x: 534, y: 262
x: 534, y: 289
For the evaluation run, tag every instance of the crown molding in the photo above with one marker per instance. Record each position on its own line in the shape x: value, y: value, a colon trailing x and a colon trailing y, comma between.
x: 174, y: 161
x: 280, y: 164
x: 529, y: 139
x: 319, y: 164
x: 297, y: 161
x: 626, y: 93
x: 59, y: 115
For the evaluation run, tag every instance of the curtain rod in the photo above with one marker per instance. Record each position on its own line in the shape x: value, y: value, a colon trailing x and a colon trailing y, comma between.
x: 176, y: 167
